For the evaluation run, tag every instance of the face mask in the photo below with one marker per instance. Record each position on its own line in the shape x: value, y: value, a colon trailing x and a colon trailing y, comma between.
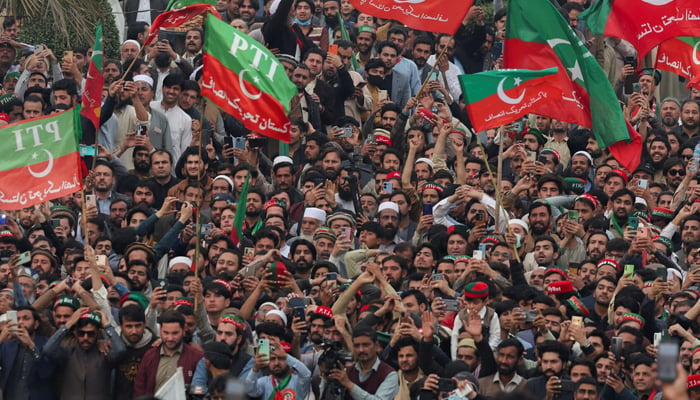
x: 305, y: 23
x: 375, y: 80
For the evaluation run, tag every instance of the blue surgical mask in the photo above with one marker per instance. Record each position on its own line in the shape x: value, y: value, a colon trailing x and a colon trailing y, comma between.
x: 305, y: 23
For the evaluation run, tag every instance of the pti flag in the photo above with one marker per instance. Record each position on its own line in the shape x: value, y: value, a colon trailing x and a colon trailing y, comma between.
x: 643, y: 23
x: 239, y: 218
x: 178, y: 4
x: 42, y: 161
x: 681, y: 56
x: 247, y: 81
x: 92, y: 95
x: 177, y: 17
x: 538, y: 37
x: 443, y: 16
x: 495, y: 98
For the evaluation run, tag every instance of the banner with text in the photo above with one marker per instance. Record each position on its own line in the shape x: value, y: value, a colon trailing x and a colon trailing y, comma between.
x: 443, y: 16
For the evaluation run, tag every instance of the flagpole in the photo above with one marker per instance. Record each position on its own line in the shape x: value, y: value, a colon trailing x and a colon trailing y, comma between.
x: 197, y: 227
x: 432, y: 69
x: 83, y: 216
x: 133, y: 61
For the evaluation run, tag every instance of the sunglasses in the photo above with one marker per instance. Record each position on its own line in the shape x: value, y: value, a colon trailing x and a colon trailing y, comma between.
x: 86, y: 333
x: 676, y: 172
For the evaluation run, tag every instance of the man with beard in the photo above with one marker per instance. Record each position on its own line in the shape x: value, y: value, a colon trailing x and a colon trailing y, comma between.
x: 599, y: 301
x: 312, y: 149
x: 303, y: 106
x: 303, y: 256
x: 690, y: 117
x: 117, y: 213
x: 347, y: 184
x: 27, y: 373
x: 336, y: 75
x: 364, y: 42
x: 161, y: 175
x: 594, y: 150
x: 546, y: 251
x: 320, y: 91
x: 143, y: 195
x: 509, y: 353
x: 622, y: 207
x: 104, y: 183
x: 407, y: 359
x: 158, y: 127
x: 581, y: 167
x: 86, y: 370
x: 690, y: 233
x: 331, y: 161
x: 179, y: 123
x: 160, y: 363
x: 394, y: 269
x: 486, y: 180
x: 422, y: 48
x: 388, y: 218
x: 313, y: 218
x: 553, y: 356
x: 283, y: 178
x: 395, y: 83
x: 318, y: 322
x: 281, y: 382
x: 194, y: 40
x: 137, y: 271
x: 25, y: 218
x: 253, y: 210
x: 398, y: 35
x: 191, y: 166
x: 596, y: 245
x: 142, y: 162
x: 540, y: 218
x: 324, y: 241
x: 670, y: 114
x: 659, y: 149
x: 674, y: 172
x: 138, y: 339
x: 248, y: 10
x: 559, y: 140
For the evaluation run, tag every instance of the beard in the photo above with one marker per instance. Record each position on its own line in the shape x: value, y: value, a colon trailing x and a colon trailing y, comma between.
x: 315, y: 338
x: 538, y: 229
x: 390, y: 231
x: 332, y: 21
x: 302, y: 265
x: 505, y: 370
x: 142, y: 167
x: 253, y: 213
x: 280, y: 374
x: 669, y: 121
x: 344, y: 194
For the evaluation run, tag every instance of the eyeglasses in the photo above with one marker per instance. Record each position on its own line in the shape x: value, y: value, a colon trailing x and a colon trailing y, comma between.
x: 686, y: 156
x: 86, y: 333
x: 676, y: 172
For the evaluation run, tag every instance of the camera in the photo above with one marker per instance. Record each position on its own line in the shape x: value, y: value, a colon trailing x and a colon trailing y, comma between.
x: 333, y: 355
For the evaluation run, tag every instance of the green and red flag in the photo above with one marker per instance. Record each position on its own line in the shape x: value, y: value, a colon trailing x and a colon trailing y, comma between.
x: 178, y: 4
x: 495, y: 98
x: 178, y: 17
x: 443, y: 16
x: 92, y: 95
x: 242, y: 77
x: 239, y: 218
x: 681, y: 56
x: 643, y: 23
x: 43, y: 162
x: 538, y: 37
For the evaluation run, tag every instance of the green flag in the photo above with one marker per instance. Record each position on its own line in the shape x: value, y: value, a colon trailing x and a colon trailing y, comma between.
x: 237, y: 231
x: 178, y: 4
x: 242, y: 77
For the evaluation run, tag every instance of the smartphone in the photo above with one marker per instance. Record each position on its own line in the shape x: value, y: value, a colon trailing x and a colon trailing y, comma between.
x: 572, y: 216
x: 382, y: 95
x: 636, y: 88
x: 87, y: 151
x: 633, y: 222
x: 497, y: 50
x: 3, y: 219
x: 616, y: 346
x: 478, y: 255
x: 629, y: 270
x: 55, y: 223
x: 479, y: 218
x: 248, y: 252
x: 38, y: 48
x: 90, y: 200
x: 542, y: 159
x: 361, y: 85
x: 577, y: 320
x: 346, y: 132
x: 567, y: 385
x: 205, y: 229
x: 179, y: 204
x: 264, y: 347
x: 427, y: 209
x: 163, y: 283
x: 299, y: 313
x: 228, y: 141
x: 530, y: 315
x: 446, y: 385
x: 24, y: 258
x: 12, y: 316
x: 347, y: 233
x: 667, y: 357
x: 662, y: 272
x: 451, y: 305
x: 531, y: 155
x: 141, y: 130
x: 433, y: 76
x: 68, y: 55
x: 643, y: 183
x: 657, y: 339
x: 573, y: 269
x: 331, y: 276
x: 333, y: 49
x: 239, y: 142
x: 436, y: 277
x: 101, y: 259
x: 256, y: 143
x: 297, y: 302
x: 388, y: 187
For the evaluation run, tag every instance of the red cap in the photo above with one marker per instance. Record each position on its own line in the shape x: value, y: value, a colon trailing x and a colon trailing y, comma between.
x: 560, y: 287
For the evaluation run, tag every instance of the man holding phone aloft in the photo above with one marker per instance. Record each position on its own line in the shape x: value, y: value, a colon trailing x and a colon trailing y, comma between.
x: 282, y: 383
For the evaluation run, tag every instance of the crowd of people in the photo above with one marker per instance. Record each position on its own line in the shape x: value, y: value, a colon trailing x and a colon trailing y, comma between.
x: 389, y: 252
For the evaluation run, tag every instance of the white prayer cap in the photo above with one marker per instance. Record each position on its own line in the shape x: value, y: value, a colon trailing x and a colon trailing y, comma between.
x: 226, y: 178
x: 132, y: 41
x: 315, y: 213
x: 282, y: 160
x: 425, y: 160
x: 279, y: 314
x: 639, y: 200
x: 520, y: 222
x: 388, y: 205
x: 179, y: 260
x: 143, y: 78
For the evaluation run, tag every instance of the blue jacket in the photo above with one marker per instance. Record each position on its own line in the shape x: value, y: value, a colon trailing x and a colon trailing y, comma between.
x: 39, y: 381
